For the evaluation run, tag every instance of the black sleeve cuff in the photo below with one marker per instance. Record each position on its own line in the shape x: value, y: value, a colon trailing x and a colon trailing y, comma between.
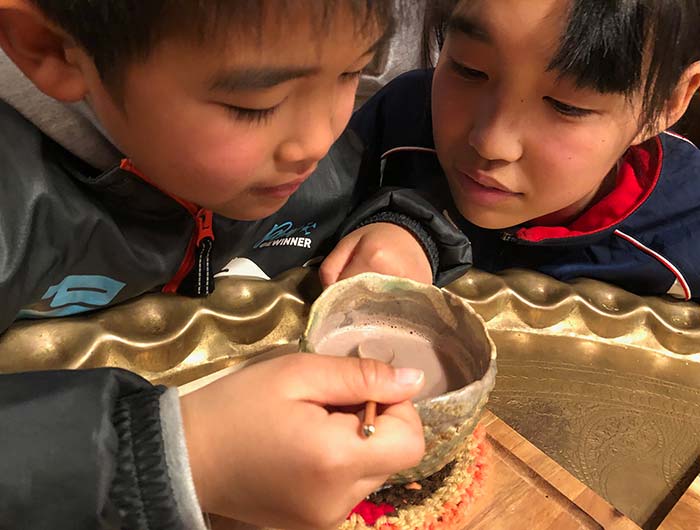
x: 413, y: 226
x: 452, y: 247
x: 83, y: 448
x: 141, y: 488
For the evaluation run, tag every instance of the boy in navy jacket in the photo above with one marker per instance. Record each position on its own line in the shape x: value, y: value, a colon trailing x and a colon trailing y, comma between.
x: 538, y: 132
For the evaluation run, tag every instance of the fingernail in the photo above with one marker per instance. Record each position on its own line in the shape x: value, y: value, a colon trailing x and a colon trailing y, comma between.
x: 408, y: 376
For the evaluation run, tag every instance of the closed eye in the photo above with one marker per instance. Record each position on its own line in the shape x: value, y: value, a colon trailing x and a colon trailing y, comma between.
x: 568, y: 110
x: 256, y: 116
x: 467, y: 73
x: 349, y: 77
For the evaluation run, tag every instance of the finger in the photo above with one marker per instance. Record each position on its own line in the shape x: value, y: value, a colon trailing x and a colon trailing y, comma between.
x: 337, y: 260
x: 357, y: 265
x: 353, y: 419
x: 339, y: 381
x: 404, y: 411
x: 397, y: 443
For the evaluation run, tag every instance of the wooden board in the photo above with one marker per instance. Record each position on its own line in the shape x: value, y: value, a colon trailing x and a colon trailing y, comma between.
x: 525, y: 489
x: 686, y: 513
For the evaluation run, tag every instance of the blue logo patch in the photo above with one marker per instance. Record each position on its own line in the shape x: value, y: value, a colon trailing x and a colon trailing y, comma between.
x: 77, y: 294
x: 282, y: 234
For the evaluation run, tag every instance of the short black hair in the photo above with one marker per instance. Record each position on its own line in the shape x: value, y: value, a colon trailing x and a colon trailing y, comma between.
x: 117, y: 32
x: 621, y: 46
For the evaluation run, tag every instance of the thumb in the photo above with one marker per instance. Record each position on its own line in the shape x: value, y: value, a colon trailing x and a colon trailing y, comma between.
x: 352, y: 381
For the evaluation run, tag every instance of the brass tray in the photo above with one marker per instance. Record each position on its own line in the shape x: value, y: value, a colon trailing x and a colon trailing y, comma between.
x: 605, y: 382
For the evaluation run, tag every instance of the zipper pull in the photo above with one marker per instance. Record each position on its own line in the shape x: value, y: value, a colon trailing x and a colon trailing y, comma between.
x: 205, y: 225
x: 203, y: 273
x: 508, y: 237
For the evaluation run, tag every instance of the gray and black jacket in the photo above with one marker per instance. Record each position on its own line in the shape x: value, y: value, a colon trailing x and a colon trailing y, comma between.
x: 81, y: 230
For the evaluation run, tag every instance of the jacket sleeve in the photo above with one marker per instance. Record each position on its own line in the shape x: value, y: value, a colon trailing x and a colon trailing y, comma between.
x: 397, y: 116
x: 100, y: 449
x: 447, y: 248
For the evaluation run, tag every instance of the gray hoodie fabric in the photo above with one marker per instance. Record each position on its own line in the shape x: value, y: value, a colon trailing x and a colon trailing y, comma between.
x: 74, y: 127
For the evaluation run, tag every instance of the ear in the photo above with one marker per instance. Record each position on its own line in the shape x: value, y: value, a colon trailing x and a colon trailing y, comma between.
x: 686, y: 89
x: 682, y: 96
x: 41, y: 50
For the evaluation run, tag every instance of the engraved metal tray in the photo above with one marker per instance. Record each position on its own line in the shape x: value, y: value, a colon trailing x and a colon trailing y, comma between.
x: 605, y: 382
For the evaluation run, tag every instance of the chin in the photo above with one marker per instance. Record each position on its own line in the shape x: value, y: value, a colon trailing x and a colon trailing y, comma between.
x: 488, y: 220
x: 253, y: 212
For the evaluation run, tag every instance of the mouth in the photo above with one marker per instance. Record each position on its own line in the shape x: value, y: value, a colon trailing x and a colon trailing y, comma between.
x: 489, y: 183
x: 281, y: 191
x: 479, y: 188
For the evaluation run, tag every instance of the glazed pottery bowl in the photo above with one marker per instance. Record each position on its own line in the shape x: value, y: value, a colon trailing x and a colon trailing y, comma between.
x: 447, y: 322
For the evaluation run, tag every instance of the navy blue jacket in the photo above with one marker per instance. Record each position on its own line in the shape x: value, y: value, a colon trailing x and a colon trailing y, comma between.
x: 639, y: 237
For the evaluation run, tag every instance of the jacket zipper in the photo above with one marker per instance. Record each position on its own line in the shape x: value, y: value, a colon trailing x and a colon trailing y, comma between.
x: 199, y: 248
x: 198, y: 257
x: 508, y: 237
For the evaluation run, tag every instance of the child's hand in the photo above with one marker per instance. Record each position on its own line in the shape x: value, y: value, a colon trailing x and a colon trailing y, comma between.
x: 265, y: 449
x: 380, y: 247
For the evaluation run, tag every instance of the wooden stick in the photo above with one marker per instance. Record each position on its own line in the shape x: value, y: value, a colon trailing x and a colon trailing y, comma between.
x: 370, y: 417
x: 373, y: 350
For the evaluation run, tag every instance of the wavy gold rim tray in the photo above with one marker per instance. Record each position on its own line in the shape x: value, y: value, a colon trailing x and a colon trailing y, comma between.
x: 605, y: 382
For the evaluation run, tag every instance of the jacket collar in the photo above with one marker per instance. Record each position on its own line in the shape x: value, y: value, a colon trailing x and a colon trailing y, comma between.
x: 637, y: 177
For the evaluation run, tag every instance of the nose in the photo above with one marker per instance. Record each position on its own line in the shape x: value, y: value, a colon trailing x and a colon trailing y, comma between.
x: 312, y: 135
x: 495, y: 131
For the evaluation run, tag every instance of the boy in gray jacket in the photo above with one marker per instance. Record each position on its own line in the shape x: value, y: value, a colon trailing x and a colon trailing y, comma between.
x: 146, y: 146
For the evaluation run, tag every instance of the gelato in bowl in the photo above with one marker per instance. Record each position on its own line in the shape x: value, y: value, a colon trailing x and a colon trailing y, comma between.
x: 418, y: 326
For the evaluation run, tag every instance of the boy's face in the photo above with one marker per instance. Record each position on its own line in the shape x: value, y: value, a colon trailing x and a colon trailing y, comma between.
x: 238, y: 128
x: 517, y: 142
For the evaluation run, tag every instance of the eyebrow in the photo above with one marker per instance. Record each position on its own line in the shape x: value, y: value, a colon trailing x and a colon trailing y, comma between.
x: 470, y: 27
x: 268, y: 77
x: 257, y: 78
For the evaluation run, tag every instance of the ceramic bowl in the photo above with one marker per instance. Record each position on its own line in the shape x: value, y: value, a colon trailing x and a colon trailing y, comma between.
x: 448, y: 322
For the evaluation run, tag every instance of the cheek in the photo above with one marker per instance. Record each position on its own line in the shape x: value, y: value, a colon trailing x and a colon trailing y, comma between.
x: 450, y: 107
x: 344, y: 109
x: 209, y: 156
x: 556, y: 158
x: 234, y: 155
x: 569, y: 162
